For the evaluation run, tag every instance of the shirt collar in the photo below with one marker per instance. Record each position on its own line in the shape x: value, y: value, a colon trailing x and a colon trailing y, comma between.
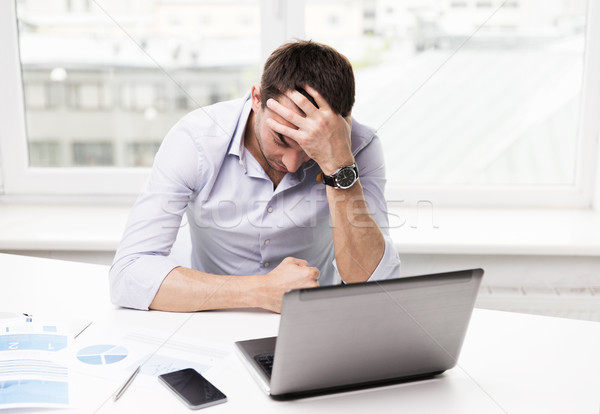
x: 237, y: 144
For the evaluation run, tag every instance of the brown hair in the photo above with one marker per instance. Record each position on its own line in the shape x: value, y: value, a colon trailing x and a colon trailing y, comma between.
x: 295, y: 64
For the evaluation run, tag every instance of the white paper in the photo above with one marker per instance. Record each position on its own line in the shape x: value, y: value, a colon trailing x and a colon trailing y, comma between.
x: 114, y: 354
x: 34, y: 359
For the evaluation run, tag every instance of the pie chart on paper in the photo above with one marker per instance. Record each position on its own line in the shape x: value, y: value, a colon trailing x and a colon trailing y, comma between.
x: 103, y: 354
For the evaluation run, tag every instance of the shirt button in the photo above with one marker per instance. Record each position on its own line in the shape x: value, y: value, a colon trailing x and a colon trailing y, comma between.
x: 270, y: 209
x: 266, y: 264
x: 267, y: 242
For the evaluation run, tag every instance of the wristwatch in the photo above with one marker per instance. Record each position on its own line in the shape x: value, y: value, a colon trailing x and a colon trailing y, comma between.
x: 343, y: 178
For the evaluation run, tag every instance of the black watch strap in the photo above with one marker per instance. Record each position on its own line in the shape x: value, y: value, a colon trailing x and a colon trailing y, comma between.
x: 333, y: 181
x: 329, y: 180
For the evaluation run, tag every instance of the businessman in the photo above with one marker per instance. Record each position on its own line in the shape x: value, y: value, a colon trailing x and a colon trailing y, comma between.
x: 282, y: 190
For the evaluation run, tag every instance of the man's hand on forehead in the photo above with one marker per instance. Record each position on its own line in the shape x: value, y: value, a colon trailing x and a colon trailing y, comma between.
x: 307, y: 96
x: 321, y: 133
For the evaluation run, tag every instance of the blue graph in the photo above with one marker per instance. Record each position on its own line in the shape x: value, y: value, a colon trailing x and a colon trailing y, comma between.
x: 103, y: 354
x: 32, y: 341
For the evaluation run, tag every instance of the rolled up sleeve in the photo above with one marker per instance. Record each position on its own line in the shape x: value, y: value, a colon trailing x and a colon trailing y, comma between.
x: 143, y: 260
x: 370, y: 161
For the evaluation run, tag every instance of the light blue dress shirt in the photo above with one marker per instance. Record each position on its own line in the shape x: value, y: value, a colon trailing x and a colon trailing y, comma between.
x: 239, y: 225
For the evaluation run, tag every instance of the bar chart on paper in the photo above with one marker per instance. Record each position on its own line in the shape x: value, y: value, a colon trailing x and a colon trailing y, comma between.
x: 102, y: 354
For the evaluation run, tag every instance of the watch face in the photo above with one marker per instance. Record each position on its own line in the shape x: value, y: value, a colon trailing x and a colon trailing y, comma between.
x: 345, y: 177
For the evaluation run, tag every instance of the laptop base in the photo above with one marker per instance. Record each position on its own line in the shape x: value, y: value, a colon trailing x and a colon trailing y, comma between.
x: 353, y: 387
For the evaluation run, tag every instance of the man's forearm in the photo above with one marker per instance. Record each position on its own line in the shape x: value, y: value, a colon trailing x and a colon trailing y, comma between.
x: 358, y: 241
x: 189, y: 290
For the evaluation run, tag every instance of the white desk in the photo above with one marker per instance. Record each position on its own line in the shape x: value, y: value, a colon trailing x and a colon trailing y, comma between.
x: 510, y: 363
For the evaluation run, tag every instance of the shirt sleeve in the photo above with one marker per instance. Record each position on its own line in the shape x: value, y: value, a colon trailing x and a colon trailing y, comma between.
x: 142, y: 260
x: 371, y: 170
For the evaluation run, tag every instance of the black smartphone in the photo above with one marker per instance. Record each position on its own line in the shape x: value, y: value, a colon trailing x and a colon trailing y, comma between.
x: 192, y: 388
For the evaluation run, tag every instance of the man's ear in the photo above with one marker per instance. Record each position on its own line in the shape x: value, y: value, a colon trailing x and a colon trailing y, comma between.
x: 256, y: 97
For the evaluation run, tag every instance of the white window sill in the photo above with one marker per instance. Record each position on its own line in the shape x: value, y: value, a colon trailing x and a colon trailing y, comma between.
x: 498, y: 231
x: 447, y: 231
x: 61, y: 228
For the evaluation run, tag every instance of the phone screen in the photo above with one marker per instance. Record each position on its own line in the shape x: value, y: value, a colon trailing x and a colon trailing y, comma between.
x: 193, y: 388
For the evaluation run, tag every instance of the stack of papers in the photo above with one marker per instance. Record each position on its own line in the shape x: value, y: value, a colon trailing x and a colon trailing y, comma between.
x: 33, y: 364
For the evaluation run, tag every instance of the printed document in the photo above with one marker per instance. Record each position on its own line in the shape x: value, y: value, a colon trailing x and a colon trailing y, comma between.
x: 33, y: 364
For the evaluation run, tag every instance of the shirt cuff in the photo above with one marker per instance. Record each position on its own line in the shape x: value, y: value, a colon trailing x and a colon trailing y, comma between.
x: 134, y: 281
x: 389, y: 265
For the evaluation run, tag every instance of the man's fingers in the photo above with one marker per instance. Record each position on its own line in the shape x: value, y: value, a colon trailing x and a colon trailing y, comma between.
x: 286, y: 113
x: 302, y: 102
x: 314, y: 273
x: 309, y: 274
x: 321, y: 102
x: 283, y: 130
x: 311, y: 271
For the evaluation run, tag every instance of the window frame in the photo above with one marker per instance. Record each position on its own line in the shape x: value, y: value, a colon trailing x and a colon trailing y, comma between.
x: 280, y: 21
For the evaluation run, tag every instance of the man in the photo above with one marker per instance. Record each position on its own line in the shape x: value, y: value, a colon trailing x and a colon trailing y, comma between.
x: 282, y: 191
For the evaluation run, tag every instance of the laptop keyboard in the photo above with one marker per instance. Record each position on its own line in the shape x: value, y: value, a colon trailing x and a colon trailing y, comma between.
x: 266, y: 362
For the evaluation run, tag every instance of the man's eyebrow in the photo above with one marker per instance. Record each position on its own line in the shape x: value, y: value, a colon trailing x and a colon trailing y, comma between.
x: 282, y: 139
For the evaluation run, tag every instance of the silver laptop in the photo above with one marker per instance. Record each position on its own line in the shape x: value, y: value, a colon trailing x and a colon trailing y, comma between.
x: 343, y: 337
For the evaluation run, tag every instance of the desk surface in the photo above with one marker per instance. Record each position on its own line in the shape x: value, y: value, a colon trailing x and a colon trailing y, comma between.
x: 510, y: 363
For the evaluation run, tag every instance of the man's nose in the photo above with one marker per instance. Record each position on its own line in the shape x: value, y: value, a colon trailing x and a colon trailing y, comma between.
x: 294, y: 159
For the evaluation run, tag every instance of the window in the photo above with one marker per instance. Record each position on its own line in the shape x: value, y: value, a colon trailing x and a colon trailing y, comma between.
x: 88, y: 96
x: 93, y: 153
x: 469, y: 95
x: 117, y: 61
x: 46, y: 153
x: 476, y: 102
x: 38, y: 95
x: 138, y: 96
x: 141, y: 153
